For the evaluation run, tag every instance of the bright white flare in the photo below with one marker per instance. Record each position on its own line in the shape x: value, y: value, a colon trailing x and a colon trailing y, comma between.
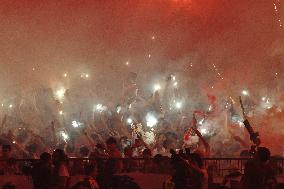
x: 178, y: 105
x: 59, y: 94
x: 245, y: 92
x: 204, y: 131
x: 129, y: 121
x: 151, y: 120
x: 64, y: 135
x: 11, y: 106
x: 157, y: 87
x: 76, y: 124
x: 175, y: 84
x: 100, y: 108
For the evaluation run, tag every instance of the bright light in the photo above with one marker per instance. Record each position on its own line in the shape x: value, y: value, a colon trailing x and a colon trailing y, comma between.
x: 76, y: 124
x: 276, y: 73
x: 59, y: 94
x: 245, y: 92
x: 2, y: 105
x: 118, y: 109
x: 11, y: 106
x: 64, y: 135
x: 178, y: 105
x: 153, y: 38
x: 174, y: 78
x: 204, y: 131
x: 263, y: 98
x: 210, y: 108
x: 129, y: 121
x: 84, y: 75
x: 60, y: 112
x: 100, y: 108
x: 241, y: 124
x: 157, y: 87
x: 149, y: 55
x: 127, y: 63
x: 201, y: 121
x: 175, y: 84
x: 151, y: 120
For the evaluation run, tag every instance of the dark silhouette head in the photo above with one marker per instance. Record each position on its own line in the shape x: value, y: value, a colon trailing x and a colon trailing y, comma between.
x: 45, y: 157
x: 263, y: 154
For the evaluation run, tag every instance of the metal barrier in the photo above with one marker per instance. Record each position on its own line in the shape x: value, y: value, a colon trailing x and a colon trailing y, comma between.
x: 218, y: 167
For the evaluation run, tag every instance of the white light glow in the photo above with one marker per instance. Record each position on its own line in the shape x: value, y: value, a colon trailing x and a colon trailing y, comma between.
x: 203, y: 131
x: 100, y: 108
x: 76, y: 124
x: 151, y: 120
x: 129, y: 121
x: 64, y: 135
x: 118, y: 109
x: 201, y: 121
x: 175, y: 84
x: 245, y: 92
x: 59, y: 94
x: 157, y: 87
x: 178, y: 105
x: 11, y: 106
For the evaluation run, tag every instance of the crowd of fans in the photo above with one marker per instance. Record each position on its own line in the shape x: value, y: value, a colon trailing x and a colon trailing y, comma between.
x: 101, y: 169
x: 106, y: 148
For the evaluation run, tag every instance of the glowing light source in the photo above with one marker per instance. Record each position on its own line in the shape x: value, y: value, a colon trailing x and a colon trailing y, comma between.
x: 60, y: 112
x: 64, y: 135
x: 65, y: 75
x: 245, y: 92
x: 100, y: 107
x: 85, y: 75
x: 204, y: 131
x: 175, y: 84
x: 178, y: 105
x: 210, y: 108
x: 201, y: 121
x: 129, y: 121
x: 157, y: 87
x: 118, y: 109
x: 59, y: 94
x: 11, y: 106
x: 127, y: 63
x: 76, y: 124
x: 151, y: 120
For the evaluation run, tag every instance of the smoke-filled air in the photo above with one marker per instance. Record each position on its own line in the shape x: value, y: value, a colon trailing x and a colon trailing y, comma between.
x: 146, y: 68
